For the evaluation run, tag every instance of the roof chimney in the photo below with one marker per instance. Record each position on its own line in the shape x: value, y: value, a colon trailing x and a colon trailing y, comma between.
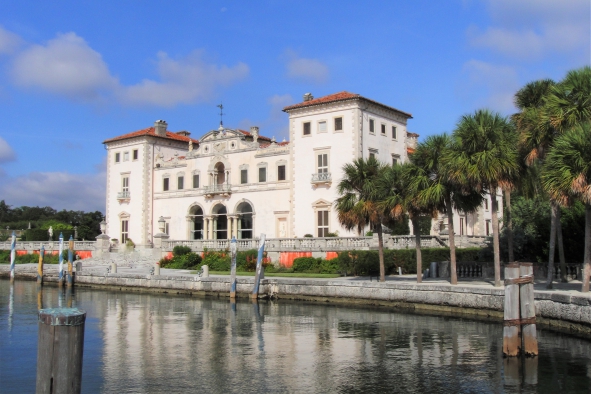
x: 160, y: 128
x: 308, y: 97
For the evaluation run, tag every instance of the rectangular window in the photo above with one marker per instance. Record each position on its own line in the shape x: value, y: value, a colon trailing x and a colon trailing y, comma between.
x: 181, y: 182
x: 124, y: 231
x: 393, y: 132
x: 125, y: 156
x: 461, y: 226
x: 395, y: 159
x: 486, y: 204
x: 323, y: 163
x: 135, y: 154
x: 322, y: 127
x: 307, y: 129
x: 322, y: 223
x: 383, y: 129
x: 372, y: 128
x: 338, y: 124
x: 165, y: 184
x: 373, y: 153
x: 487, y: 228
x: 117, y: 157
x: 195, y: 181
x: 281, y: 173
x: 243, y: 177
x: 166, y: 228
x: 262, y: 174
x: 125, y: 184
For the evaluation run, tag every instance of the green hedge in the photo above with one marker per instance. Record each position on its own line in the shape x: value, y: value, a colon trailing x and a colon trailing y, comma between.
x: 32, y: 258
x: 363, y: 262
x: 315, y: 265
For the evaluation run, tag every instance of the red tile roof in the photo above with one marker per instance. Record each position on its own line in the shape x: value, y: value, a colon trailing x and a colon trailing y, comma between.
x: 341, y: 96
x: 151, y: 132
x: 409, y: 134
x: 250, y: 135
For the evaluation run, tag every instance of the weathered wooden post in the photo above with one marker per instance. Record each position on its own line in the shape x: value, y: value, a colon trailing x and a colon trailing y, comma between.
x: 233, y: 268
x: 12, y: 256
x: 40, y: 265
x: 61, y: 260
x: 70, y: 261
x: 257, y: 278
x: 59, y: 350
x: 511, y: 339
x: 528, y: 309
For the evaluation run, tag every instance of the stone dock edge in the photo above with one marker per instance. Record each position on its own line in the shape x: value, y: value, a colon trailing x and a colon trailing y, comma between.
x: 568, y: 312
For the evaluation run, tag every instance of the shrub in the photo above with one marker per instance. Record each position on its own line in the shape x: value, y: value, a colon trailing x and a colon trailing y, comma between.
x: 306, y: 264
x: 308, y: 236
x: 185, y: 261
x: 217, y: 261
x: 181, y: 250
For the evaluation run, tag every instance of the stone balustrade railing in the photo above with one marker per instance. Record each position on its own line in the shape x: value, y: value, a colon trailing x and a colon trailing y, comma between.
x: 48, y: 245
x: 310, y: 244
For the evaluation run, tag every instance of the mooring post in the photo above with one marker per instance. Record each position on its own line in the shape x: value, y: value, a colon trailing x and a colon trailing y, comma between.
x: 511, y: 340
x: 61, y: 260
x: 12, y: 256
x: 59, y: 350
x: 257, y: 278
x: 70, y: 261
x: 528, y: 309
x: 40, y: 265
x: 233, y: 268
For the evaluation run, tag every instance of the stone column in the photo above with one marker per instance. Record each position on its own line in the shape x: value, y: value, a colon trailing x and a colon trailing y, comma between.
x: 206, y: 227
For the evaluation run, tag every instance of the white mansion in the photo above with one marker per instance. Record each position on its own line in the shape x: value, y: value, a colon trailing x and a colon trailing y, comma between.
x: 240, y: 183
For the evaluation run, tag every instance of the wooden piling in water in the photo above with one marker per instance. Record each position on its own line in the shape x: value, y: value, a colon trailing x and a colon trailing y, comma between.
x: 259, y: 269
x: 233, y: 269
x: 40, y: 265
x: 527, y: 310
x: 59, y: 350
x: 511, y: 339
x: 70, y: 261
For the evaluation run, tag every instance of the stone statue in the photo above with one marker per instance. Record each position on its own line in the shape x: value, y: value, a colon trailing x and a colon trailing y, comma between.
x: 50, y: 231
x: 190, y: 145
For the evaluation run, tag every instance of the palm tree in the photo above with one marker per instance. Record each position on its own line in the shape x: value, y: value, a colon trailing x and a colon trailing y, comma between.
x: 537, y: 134
x: 430, y: 188
x: 566, y: 175
x: 484, y: 156
x: 361, y: 200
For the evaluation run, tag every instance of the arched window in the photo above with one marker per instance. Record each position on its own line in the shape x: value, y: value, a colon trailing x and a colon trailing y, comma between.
x: 196, y: 222
x: 244, y: 211
x: 220, y: 222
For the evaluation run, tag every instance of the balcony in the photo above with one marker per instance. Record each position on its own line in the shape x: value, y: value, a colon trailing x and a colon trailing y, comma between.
x: 123, y: 196
x: 212, y: 190
x: 320, y: 178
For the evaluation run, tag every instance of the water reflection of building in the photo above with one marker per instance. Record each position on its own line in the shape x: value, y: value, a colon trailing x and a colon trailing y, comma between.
x: 154, y: 343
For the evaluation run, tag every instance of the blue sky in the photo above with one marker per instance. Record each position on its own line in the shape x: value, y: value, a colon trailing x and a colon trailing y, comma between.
x: 73, y: 73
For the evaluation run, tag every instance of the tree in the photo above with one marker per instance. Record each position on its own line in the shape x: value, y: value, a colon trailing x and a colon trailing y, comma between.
x: 566, y: 176
x: 537, y: 134
x: 361, y: 200
x: 430, y: 188
x: 484, y: 157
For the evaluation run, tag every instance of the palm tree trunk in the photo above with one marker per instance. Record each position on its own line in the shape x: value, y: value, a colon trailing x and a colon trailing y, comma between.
x: 452, y: 242
x: 381, y: 252
x: 552, y: 249
x: 560, y: 246
x: 495, y: 227
x: 509, y: 221
x: 415, y: 227
x: 587, y: 254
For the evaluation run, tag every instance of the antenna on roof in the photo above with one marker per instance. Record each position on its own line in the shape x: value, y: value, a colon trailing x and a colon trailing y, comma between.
x: 221, y: 107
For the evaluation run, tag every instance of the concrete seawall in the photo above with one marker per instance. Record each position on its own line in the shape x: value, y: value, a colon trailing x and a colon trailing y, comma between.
x: 564, y: 310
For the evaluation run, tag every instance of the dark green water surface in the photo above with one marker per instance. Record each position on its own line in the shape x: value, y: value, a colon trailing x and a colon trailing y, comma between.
x: 152, y: 343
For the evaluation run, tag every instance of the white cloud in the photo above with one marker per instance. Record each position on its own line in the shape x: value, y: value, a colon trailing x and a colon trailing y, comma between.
x: 59, y: 190
x: 65, y: 66
x: 534, y: 29
x: 275, y: 124
x: 184, y: 81
x: 490, y: 85
x: 9, y: 42
x: 307, y: 70
x: 6, y: 152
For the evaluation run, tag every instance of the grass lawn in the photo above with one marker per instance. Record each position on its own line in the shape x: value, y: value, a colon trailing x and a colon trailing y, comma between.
x: 276, y: 274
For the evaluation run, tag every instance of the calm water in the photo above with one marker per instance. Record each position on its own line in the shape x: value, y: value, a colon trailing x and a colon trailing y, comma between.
x: 146, y: 343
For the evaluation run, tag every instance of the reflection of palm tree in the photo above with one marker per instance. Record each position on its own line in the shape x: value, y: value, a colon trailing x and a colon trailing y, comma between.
x: 567, y: 176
